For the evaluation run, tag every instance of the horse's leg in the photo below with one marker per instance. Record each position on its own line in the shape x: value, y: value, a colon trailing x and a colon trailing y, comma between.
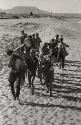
x: 46, y: 83
x: 60, y: 64
x: 51, y: 88
x: 40, y: 76
x: 26, y: 71
x: 51, y: 82
x: 63, y: 59
x: 33, y: 78
x: 19, y: 80
x: 29, y: 78
x: 23, y: 80
x: 12, y: 90
x: 18, y: 89
x: 41, y: 79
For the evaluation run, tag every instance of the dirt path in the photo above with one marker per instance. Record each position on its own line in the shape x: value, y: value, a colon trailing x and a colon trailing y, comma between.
x: 64, y: 108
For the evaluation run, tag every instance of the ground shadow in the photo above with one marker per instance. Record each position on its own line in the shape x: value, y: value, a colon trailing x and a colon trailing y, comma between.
x: 49, y: 105
x: 64, y: 86
x: 73, y: 63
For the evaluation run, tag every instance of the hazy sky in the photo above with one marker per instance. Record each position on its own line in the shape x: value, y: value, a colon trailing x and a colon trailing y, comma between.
x: 49, y: 5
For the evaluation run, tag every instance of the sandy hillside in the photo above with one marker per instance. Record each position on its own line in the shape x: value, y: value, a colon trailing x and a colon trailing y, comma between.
x: 64, y: 108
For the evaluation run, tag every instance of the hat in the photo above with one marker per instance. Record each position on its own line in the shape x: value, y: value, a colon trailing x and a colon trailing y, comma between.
x: 33, y: 34
x: 57, y: 35
x: 45, y: 43
x: 52, y: 39
x: 61, y: 39
x: 29, y: 36
x: 22, y: 30
x: 37, y: 34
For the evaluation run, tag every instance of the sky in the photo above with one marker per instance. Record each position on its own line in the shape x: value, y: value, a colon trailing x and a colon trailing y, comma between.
x: 59, y: 6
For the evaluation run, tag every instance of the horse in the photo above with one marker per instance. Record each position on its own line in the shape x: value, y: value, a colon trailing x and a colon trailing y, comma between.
x: 17, y: 73
x: 32, y: 63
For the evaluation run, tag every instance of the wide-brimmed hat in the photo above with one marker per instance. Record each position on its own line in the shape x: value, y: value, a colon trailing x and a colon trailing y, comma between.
x: 61, y: 39
x: 37, y: 33
x: 22, y: 31
x: 52, y: 39
x: 33, y: 34
x: 57, y: 35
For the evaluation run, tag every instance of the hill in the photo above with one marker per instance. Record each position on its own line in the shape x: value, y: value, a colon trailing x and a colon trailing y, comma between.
x: 25, y: 10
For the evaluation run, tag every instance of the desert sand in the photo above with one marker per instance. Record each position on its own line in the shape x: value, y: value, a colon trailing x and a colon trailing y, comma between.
x: 64, y: 108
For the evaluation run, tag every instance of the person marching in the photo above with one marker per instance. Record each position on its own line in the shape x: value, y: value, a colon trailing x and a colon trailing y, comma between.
x: 33, y: 41
x: 48, y: 73
x: 38, y: 40
x: 23, y: 37
x: 17, y: 71
x: 62, y: 53
x: 55, y: 46
x: 57, y: 40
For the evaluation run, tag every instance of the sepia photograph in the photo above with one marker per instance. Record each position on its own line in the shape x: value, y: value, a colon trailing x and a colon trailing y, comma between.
x: 40, y: 62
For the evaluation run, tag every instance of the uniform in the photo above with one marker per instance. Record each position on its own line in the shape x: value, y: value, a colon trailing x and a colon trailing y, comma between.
x: 23, y: 37
x: 38, y: 40
x: 48, y: 72
x: 17, y: 72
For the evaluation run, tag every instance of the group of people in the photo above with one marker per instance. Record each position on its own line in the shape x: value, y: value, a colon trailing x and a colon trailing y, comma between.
x: 28, y: 59
x: 57, y: 47
x: 33, y: 39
